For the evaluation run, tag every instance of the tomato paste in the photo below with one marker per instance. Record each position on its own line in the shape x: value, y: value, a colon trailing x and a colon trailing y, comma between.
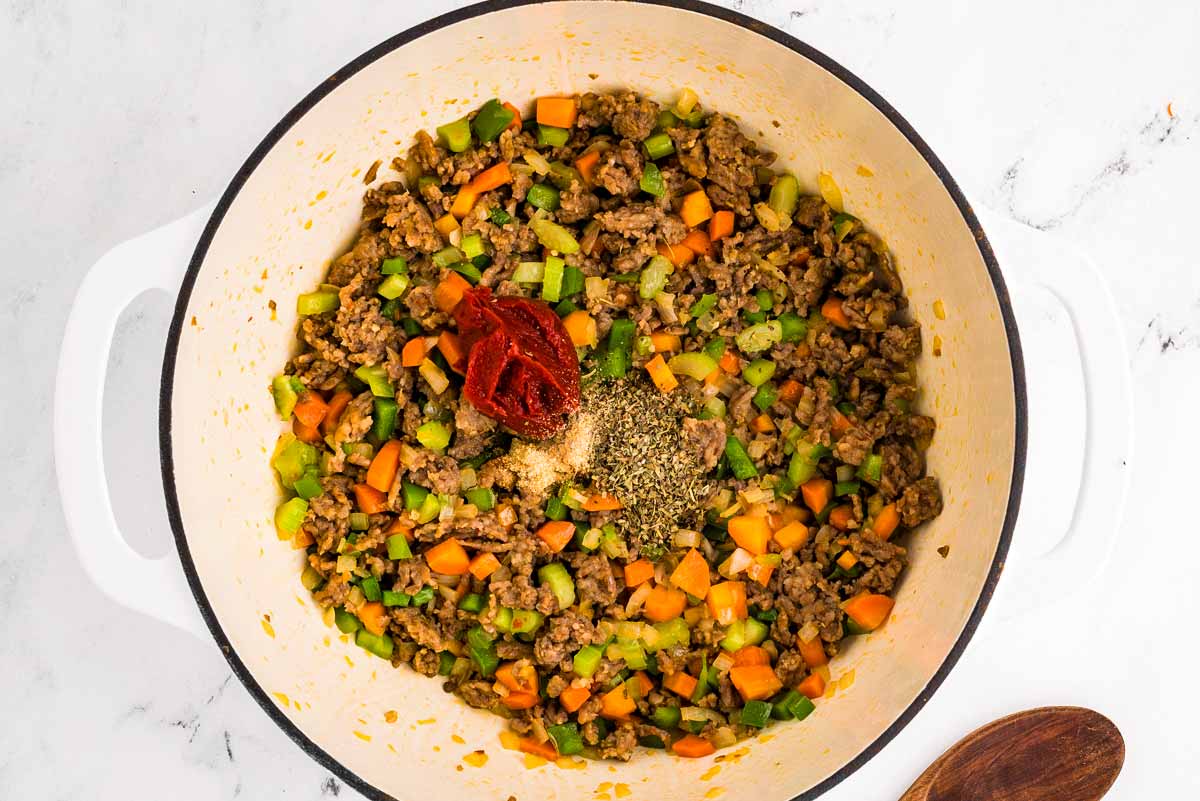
x: 521, y: 367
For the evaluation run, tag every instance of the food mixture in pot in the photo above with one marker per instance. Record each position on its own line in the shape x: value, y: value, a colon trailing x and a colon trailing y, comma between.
x: 606, y: 427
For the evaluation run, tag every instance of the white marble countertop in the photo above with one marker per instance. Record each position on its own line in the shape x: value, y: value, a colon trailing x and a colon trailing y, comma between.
x: 1072, y: 116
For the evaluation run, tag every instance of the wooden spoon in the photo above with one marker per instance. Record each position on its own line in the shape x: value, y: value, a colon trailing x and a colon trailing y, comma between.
x: 1056, y: 753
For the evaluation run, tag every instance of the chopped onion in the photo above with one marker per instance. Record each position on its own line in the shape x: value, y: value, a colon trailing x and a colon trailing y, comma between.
x: 591, y: 232
x: 462, y: 666
x: 758, y: 448
x: 698, y: 714
x: 650, y: 635
x: 845, y: 472
x: 347, y: 562
x: 605, y: 629
x: 634, y: 604
x: 539, y: 731
x: 592, y: 538
x: 445, y: 579
x: 433, y: 374
x: 738, y: 561
x: 769, y: 647
x: 723, y: 662
x: 752, y: 495
x: 536, y: 160
x: 500, y: 690
x: 629, y: 630
x: 467, y: 478
x: 694, y: 614
x: 723, y: 737
x: 731, y: 510
x: 455, y: 237
x: 808, y: 632
x: 721, y: 499
x: 447, y: 510
x: 710, y: 552
x: 408, y: 455
x: 613, y: 652
x: 666, y: 307
x: 595, y: 287
x: 506, y: 515
x: 686, y: 538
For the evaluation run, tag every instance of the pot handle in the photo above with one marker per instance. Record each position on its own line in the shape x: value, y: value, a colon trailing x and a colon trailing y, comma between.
x: 156, y: 260
x: 1088, y: 521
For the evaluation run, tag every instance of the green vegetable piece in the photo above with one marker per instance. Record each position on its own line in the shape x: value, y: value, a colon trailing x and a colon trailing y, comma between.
x: 397, y: 547
x: 872, y: 468
x: 619, y: 349
x: 549, y: 136
x: 627, y: 278
x: 526, y: 621
x: 552, y: 279
x: 429, y: 509
x: 410, y: 326
x: 391, y: 598
x: 573, y: 281
x: 346, y: 622
x: 695, y: 365
x: 695, y: 118
x: 447, y: 256
x: 764, y: 299
x: 654, y: 277
x: 566, y: 738
x: 792, y: 326
x: 380, y: 645
x: 370, y: 588
x: 563, y: 176
x: 394, y: 266
x: 308, y: 486
x: 754, y: 631
x: 671, y: 633
x: 473, y: 603
x: 713, y: 409
x: 390, y: 309
x: 434, y: 435
x: 471, y: 246
x: 445, y: 663
x: 658, y: 145
x: 666, y: 717
x: 468, y: 270
x: 666, y: 120
x: 781, y: 704
x: 652, y: 181
x: 703, y: 306
x: 290, y: 515
x: 423, y: 596
x: 503, y: 620
x: 759, y: 336
x: 499, y: 216
x: 455, y: 135
x: 846, y: 488
x: 785, y: 195
x: 739, y: 460
x: 802, y: 708
x: 765, y: 396
x: 843, y: 224
x: 293, y: 459
x: 543, y: 196
x: 556, y: 509
x: 555, y: 575
x: 758, y: 372
x: 756, y: 714
x: 482, y: 497
x: 414, y: 495
x: 529, y: 272
x: 633, y: 654
x: 283, y: 389
x: 383, y: 422
x: 359, y: 521
x: 491, y: 120
x: 587, y: 660
x: 319, y: 302
x: 375, y: 377
x: 310, y: 579
x: 715, y: 348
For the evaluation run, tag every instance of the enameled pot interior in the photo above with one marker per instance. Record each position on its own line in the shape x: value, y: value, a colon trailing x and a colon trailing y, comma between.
x: 297, y: 208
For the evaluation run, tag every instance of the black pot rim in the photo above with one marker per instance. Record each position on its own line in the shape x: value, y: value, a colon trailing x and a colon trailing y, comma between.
x: 476, y: 10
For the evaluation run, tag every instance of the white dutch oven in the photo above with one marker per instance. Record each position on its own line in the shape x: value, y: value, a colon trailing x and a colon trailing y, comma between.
x: 294, y: 206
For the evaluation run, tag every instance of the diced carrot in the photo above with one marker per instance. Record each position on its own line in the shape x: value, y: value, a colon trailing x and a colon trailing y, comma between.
x: 680, y: 683
x: 521, y: 700
x: 305, y: 433
x: 638, y: 572
x: 384, y: 466
x: 691, y: 574
x: 794, y: 535
x: 841, y: 424
x: 663, y: 604
x: 302, y: 539
x: 402, y: 525
x: 841, y: 517
x: 545, y: 750
x: 803, y: 351
x: 464, y: 201
x: 750, y: 532
x: 763, y: 424
x: 616, y: 703
x: 692, y: 746
x: 446, y: 224
x: 760, y: 572
x: 451, y: 347
x: 602, y: 503
x: 559, y: 112
x: 868, y: 611
x: 812, y: 686
x: 698, y: 241
x: 374, y: 617
x: 721, y: 225
x: 729, y: 362
x: 581, y: 328
x: 813, y: 652
x: 449, y: 292
x: 644, y: 681
x: 832, y: 311
x: 755, y: 682
x: 695, y: 209
x: 727, y: 602
x: 515, y: 125
x: 413, y: 352
x: 816, y: 493
x: 448, y: 557
x: 311, y: 409
x: 679, y: 254
x: 483, y: 565
x: 556, y: 534
x: 586, y: 164
x: 369, y: 500
x: 661, y: 375
x: 751, y: 655
x: 493, y: 177
x: 574, y: 697
x: 333, y: 415
x: 846, y: 560
x: 665, y: 343
x: 886, y: 521
x: 522, y: 679
x: 790, y: 391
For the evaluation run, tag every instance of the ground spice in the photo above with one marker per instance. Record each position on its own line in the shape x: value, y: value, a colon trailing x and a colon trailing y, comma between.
x: 640, y: 455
